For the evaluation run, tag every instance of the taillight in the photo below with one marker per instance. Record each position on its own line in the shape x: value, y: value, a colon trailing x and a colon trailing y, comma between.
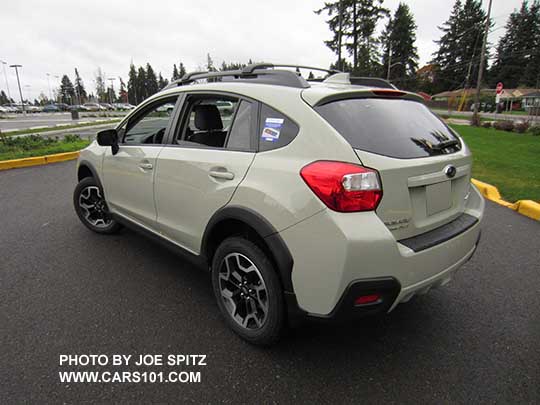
x: 343, y: 187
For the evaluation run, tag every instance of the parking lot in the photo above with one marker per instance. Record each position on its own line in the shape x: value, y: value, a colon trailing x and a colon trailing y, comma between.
x: 69, y: 291
x: 19, y: 121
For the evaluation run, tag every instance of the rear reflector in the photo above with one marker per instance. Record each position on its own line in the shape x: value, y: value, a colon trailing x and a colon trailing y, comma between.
x: 343, y: 187
x: 367, y: 299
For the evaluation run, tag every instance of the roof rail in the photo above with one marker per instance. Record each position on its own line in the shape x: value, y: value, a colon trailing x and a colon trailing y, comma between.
x: 250, y: 68
x: 256, y: 72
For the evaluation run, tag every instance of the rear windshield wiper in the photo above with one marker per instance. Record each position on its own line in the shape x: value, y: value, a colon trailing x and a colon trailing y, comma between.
x: 445, y: 144
x: 437, y: 146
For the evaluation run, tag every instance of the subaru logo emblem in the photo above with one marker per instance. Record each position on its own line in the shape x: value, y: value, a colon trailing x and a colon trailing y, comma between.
x: 450, y: 171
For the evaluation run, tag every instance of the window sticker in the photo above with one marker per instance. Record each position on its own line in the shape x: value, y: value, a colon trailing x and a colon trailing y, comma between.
x: 272, y: 129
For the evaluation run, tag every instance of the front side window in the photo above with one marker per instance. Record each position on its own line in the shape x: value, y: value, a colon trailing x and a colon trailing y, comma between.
x: 149, y: 127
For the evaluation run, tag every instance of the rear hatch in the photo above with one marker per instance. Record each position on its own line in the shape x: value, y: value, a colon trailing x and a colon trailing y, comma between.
x: 423, y: 166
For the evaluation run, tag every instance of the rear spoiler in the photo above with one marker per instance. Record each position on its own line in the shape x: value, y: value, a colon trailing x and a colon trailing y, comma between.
x: 371, y: 93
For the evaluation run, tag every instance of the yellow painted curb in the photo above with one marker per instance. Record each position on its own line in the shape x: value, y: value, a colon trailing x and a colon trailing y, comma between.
x: 38, y: 160
x: 528, y: 208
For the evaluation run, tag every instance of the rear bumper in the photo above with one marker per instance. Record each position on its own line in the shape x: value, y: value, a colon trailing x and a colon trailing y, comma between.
x: 335, y: 253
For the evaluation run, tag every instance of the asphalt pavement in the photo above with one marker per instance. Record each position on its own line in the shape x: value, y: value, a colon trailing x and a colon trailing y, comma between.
x: 66, y: 290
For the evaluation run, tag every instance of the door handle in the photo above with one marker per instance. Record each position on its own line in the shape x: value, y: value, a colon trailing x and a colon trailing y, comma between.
x: 146, y: 166
x: 221, y: 174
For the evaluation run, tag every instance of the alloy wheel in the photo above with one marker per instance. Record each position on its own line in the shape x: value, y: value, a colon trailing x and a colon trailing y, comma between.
x: 243, y: 291
x: 93, y: 207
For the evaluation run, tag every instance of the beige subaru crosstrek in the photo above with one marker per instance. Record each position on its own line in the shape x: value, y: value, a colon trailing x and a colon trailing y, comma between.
x: 331, y: 199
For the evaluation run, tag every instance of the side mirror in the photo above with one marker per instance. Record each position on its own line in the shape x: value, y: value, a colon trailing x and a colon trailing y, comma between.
x: 108, y: 137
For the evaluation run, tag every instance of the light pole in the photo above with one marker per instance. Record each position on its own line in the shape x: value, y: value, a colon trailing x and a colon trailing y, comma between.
x: 16, y: 67
x: 49, y: 84
x: 5, y: 77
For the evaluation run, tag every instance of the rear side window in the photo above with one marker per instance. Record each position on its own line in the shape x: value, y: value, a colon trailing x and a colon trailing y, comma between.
x: 397, y: 128
x: 241, y: 130
x: 276, y: 130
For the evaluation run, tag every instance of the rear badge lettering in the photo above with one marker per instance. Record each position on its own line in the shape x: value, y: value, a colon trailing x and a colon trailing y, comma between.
x: 397, y: 224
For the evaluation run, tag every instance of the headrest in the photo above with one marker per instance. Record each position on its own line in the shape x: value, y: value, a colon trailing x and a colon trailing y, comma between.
x: 207, y: 118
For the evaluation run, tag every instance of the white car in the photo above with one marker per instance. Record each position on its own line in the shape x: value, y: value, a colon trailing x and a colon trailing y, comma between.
x: 320, y: 200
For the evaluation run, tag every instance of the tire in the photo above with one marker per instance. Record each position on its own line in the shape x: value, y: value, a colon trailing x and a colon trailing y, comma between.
x: 262, y: 291
x: 91, y: 207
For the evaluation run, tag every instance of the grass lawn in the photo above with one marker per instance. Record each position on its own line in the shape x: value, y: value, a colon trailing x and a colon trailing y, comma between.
x: 59, y: 128
x: 507, y: 160
x: 15, y: 148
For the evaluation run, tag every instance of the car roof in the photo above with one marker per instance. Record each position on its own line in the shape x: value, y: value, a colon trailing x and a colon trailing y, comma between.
x: 264, y: 79
x: 317, y: 93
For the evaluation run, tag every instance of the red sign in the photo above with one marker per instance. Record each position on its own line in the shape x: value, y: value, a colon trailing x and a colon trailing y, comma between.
x: 499, y: 88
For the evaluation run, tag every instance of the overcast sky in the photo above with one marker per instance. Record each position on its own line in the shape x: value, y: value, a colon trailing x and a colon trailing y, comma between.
x: 55, y: 36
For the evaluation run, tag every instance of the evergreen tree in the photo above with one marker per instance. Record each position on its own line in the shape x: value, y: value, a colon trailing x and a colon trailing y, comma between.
x: 531, y: 77
x: 3, y: 98
x: 101, y: 88
x: 181, y: 70
x: 133, y: 97
x: 399, y: 47
x: 363, y: 45
x: 336, y: 25
x: 232, y: 66
x: 458, y: 56
x: 151, y: 82
x: 122, y: 93
x: 359, y: 20
x: 67, y: 91
x: 141, y: 84
x: 162, y: 83
x: 517, y: 60
x: 210, y: 63
x: 79, y: 88
x: 175, y: 74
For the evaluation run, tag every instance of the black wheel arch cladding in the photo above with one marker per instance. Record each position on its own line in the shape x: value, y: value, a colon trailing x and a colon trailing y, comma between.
x: 281, y: 254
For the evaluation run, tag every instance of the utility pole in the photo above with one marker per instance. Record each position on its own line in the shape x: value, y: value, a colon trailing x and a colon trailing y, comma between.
x: 340, y: 18
x: 5, y: 77
x: 475, y: 118
x: 16, y: 67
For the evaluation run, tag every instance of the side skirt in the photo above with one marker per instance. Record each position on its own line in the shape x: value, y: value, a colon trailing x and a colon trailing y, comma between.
x: 196, y: 260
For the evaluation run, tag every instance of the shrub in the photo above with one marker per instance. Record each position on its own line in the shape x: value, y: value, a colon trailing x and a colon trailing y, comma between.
x: 487, y: 124
x: 504, y: 125
x: 535, y: 130
x: 521, y: 127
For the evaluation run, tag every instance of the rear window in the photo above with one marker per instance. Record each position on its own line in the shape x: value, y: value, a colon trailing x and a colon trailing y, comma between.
x: 397, y: 128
